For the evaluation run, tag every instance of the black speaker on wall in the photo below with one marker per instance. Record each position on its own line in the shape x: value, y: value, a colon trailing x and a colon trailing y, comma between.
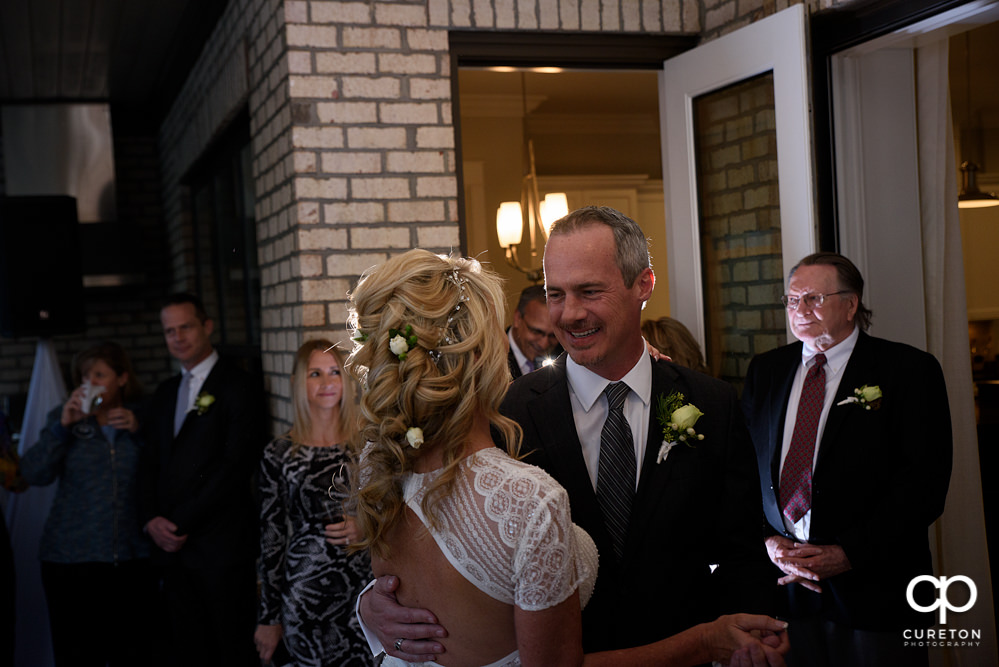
x: 41, y: 282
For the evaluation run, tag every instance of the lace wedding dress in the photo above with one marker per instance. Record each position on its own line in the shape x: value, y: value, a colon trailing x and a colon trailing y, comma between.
x: 506, y: 528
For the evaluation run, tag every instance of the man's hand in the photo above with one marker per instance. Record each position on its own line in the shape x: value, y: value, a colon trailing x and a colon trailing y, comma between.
x: 382, y: 614
x: 806, y: 564
x: 164, y: 534
x: 747, y: 640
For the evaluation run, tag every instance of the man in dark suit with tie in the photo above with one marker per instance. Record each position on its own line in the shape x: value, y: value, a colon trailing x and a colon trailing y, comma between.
x: 677, y: 532
x: 532, y: 339
x: 853, y: 443
x: 689, y: 512
x: 204, y: 435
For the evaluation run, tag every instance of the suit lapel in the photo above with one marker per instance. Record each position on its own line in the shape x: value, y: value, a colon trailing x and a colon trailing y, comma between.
x: 780, y: 392
x: 655, y: 476
x: 211, y: 386
x: 857, y: 372
x: 551, y: 412
x: 170, y: 408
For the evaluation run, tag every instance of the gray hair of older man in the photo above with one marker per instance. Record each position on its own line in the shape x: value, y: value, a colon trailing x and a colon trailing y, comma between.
x: 848, y: 277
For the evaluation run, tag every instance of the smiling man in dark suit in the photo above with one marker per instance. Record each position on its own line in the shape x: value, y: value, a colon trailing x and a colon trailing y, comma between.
x: 203, y: 436
x: 679, y: 539
x: 853, y: 443
x: 687, y: 513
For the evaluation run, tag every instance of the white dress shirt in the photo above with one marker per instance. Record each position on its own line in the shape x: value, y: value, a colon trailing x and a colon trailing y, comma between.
x: 836, y: 359
x: 522, y: 360
x: 589, y: 409
x: 198, y: 376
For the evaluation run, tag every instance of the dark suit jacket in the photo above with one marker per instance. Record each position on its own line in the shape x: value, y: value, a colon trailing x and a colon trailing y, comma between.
x: 696, y: 509
x: 879, y: 482
x: 201, y: 480
x: 511, y: 360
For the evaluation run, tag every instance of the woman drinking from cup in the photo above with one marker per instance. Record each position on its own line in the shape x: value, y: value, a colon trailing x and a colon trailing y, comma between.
x: 94, y: 556
x: 308, y: 580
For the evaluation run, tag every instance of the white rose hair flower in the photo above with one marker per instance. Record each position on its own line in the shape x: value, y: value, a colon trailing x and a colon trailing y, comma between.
x: 414, y: 435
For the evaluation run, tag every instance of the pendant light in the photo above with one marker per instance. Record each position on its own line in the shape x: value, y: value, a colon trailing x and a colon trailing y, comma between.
x: 970, y: 196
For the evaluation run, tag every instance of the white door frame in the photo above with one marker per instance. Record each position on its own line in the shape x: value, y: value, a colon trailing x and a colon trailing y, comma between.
x: 776, y: 44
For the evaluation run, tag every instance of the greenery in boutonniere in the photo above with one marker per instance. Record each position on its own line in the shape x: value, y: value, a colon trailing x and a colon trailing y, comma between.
x: 868, y: 397
x: 203, y: 402
x: 677, y: 419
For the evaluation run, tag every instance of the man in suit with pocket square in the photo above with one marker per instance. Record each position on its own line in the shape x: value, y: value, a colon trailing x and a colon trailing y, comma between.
x: 204, y: 438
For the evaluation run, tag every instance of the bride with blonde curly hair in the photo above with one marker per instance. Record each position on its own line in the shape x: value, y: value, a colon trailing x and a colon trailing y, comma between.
x: 471, y: 532
x: 480, y: 539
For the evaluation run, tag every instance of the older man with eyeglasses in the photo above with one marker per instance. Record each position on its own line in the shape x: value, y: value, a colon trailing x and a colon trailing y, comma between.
x: 853, y: 443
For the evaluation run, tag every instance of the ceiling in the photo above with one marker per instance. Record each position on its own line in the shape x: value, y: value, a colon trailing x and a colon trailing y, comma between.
x: 134, y: 54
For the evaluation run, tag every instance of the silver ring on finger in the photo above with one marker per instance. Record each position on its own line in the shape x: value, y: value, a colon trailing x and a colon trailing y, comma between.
x: 398, y: 644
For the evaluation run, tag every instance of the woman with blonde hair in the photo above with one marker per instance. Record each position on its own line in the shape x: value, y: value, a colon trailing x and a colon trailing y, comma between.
x: 473, y: 533
x: 480, y: 539
x: 308, y: 580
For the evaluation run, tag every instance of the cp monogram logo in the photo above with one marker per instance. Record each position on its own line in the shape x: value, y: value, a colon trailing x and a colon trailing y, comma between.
x: 942, y: 583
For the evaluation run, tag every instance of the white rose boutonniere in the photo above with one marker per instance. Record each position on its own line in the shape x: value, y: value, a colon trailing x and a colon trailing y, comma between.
x: 867, y: 396
x: 414, y: 435
x: 203, y: 402
x: 677, y: 420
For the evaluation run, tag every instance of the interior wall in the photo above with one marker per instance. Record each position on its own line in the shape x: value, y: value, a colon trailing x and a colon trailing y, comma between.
x: 599, y: 149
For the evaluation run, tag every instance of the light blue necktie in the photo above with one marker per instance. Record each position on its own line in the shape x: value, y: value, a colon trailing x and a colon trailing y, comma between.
x: 183, y: 400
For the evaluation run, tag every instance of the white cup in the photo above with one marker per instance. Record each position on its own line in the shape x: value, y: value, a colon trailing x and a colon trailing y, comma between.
x: 90, y: 394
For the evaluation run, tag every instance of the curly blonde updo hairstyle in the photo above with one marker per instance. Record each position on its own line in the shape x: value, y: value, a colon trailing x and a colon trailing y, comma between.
x: 456, y: 371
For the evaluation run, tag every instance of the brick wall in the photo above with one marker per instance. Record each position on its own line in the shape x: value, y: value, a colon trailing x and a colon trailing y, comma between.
x: 352, y: 137
x: 353, y: 149
x: 736, y: 145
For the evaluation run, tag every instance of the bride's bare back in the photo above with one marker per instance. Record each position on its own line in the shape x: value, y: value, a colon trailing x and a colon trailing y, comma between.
x: 480, y: 628
x: 503, y: 561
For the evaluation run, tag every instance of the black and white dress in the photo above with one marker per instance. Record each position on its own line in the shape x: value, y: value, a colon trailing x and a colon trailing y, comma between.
x: 307, y: 585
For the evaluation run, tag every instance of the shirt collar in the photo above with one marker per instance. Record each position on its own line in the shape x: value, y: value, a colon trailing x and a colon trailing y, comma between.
x: 205, y: 366
x: 837, y: 355
x: 588, y: 386
x: 517, y: 354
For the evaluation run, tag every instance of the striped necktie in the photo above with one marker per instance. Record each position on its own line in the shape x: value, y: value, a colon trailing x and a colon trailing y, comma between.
x: 616, y: 467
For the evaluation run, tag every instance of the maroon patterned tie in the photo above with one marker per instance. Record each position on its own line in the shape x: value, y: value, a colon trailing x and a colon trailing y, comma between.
x: 796, y: 478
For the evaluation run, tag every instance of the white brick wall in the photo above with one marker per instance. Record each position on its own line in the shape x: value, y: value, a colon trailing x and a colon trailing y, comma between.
x: 353, y: 142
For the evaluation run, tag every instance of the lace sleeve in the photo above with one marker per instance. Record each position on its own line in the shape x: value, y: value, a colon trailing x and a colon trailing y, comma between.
x: 545, y: 568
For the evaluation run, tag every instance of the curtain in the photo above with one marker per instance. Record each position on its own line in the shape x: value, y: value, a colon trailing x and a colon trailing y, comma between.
x: 26, y: 513
x: 959, y: 536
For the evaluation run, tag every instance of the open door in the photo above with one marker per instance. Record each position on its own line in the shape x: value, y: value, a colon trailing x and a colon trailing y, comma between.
x: 737, y: 163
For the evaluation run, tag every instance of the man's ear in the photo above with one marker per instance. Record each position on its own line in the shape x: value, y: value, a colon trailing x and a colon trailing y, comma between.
x: 851, y: 314
x: 646, y: 280
x: 209, y: 326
